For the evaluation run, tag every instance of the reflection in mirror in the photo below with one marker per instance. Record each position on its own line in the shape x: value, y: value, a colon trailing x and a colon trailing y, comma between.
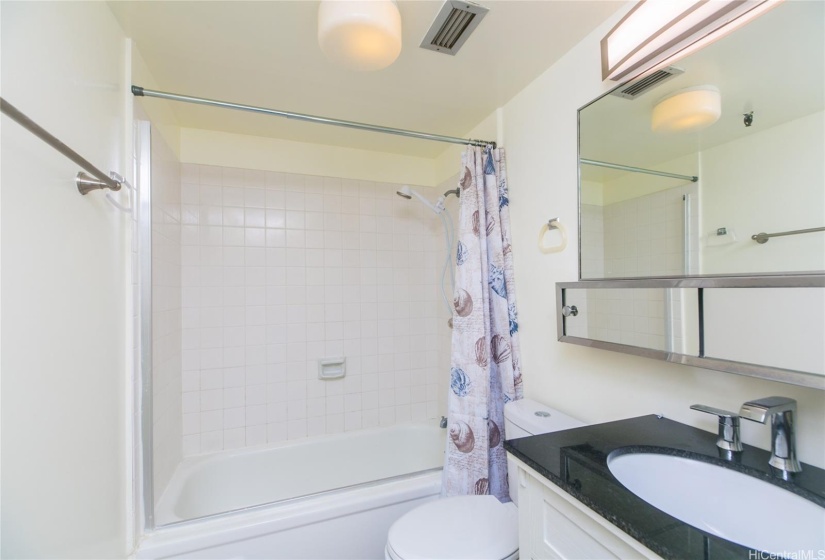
x: 759, y: 166
x: 657, y: 318
x: 744, y: 326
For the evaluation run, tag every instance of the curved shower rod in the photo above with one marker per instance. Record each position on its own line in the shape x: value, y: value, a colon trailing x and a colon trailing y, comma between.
x: 141, y: 91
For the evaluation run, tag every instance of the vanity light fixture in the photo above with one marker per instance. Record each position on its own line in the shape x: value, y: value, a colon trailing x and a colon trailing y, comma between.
x: 659, y: 32
x: 687, y: 110
x: 362, y: 35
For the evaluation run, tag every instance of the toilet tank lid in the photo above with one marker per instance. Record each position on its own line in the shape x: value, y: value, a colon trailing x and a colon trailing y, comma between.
x: 536, y: 418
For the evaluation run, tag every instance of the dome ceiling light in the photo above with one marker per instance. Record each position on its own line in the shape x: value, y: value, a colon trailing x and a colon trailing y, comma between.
x: 687, y: 110
x: 362, y: 35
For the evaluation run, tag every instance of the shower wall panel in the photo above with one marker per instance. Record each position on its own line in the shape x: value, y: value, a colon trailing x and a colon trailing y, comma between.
x: 166, y: 313
x: 281, y: 270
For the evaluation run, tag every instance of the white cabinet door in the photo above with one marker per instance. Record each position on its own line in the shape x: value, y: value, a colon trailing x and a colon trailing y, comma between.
x: 554, y: 525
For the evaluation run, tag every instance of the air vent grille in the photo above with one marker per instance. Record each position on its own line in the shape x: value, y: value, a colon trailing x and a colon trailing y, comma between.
x: 453, y: 24
x: 636, y: 88
x: 452, y: 29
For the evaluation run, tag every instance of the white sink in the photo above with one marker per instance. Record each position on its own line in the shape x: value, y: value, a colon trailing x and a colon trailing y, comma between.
x: 726, y: 503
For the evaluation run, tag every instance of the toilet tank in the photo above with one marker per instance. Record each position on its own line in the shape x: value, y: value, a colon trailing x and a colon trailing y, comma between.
x: 524, y: 418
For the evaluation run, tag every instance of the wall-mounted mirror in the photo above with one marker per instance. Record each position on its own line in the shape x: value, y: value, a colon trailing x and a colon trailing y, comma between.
x: 702, y: 207
x: 760, y: 173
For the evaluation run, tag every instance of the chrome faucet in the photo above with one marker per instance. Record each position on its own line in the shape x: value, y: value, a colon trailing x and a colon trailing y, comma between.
x: 782, y: 412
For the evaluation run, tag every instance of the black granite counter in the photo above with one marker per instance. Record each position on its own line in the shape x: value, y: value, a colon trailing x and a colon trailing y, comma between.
x: 576, y: 461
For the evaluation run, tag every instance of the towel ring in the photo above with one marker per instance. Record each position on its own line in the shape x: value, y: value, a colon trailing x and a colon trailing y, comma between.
x: 553, y: 223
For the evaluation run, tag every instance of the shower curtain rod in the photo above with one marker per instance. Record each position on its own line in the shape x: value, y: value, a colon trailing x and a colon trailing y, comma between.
x: 691, y: 178
x: 140, y: 91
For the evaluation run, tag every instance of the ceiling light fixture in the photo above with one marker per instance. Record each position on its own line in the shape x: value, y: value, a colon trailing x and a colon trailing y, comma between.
x: 360, y: 34
x: 659, y: 32
x: 687, y: 110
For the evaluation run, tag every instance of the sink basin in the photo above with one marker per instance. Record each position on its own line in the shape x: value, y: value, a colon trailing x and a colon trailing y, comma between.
x: 726, y: 503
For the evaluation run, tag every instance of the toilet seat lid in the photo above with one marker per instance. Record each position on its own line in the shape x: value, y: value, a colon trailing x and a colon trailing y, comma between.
x: 478, y: 527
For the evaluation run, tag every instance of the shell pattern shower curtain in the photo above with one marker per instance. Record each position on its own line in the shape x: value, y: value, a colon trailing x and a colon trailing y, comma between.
x: 485, y: 371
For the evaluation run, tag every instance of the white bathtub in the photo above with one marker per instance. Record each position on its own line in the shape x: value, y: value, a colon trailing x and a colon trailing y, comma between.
x: 328, y: 497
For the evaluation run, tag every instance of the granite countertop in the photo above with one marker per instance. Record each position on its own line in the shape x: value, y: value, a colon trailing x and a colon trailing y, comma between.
x: 576, y: 461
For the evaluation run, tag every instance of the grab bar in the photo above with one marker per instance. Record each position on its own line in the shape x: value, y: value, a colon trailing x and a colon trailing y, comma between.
x: 763, y: 237
x: 85, y: 183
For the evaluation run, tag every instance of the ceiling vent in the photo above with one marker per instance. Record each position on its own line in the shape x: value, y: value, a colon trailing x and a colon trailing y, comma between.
x: 453, y: 24
x: 635, y: 88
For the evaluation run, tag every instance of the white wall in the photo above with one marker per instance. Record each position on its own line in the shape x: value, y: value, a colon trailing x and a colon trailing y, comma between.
x: 158, y: 111
x: 211, y: 147
x: 744, y: 189
x: 64, y: 314
x: 595, y: 385
x: 448, y: 163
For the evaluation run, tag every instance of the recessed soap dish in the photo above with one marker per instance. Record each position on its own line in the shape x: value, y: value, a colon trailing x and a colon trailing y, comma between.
x: 332, y: 368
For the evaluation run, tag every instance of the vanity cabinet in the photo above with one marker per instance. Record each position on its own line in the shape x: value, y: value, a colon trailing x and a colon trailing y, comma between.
x: 555, y: 525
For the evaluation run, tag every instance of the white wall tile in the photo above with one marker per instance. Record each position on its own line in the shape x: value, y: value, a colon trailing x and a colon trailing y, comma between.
x: 280, y: 270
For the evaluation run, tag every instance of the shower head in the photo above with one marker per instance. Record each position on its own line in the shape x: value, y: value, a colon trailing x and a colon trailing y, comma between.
x: 408, y: 193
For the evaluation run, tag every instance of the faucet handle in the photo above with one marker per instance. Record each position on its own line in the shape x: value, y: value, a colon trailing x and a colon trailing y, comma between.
x: 729, y: 439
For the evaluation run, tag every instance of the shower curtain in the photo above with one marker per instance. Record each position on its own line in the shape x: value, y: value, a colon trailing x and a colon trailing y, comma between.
x: 485, y: 371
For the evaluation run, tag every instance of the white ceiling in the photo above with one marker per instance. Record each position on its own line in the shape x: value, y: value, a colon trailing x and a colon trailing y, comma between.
x: 266, y: 54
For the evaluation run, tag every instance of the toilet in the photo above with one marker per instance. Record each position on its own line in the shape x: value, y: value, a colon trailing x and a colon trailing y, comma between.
x: 474, y: 527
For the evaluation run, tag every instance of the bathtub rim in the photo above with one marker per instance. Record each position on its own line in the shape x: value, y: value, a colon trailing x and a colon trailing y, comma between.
x: 164, y: 507
x: 298, y: 499
x: 191, y: 535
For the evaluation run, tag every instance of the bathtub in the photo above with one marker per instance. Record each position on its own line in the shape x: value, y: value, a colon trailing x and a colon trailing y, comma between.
x: 327, y: 497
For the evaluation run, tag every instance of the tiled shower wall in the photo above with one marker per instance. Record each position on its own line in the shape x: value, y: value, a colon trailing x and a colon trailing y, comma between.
x: 643, y: 236
x: 592, y: 241
x: 281, y: 270
x: 624, y: 316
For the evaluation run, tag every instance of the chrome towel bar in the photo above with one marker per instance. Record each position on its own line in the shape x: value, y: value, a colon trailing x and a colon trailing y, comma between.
x: 96, y: 179
x: 763, y: 237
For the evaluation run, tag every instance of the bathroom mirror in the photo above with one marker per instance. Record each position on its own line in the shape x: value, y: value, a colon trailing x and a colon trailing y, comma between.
x: 758, y: 169
x: 662, y: 319
x: 732, y: 324
x: 702, y: 207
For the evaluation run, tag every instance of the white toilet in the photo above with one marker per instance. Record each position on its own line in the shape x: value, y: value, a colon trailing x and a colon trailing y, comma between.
x: 474, y: 527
